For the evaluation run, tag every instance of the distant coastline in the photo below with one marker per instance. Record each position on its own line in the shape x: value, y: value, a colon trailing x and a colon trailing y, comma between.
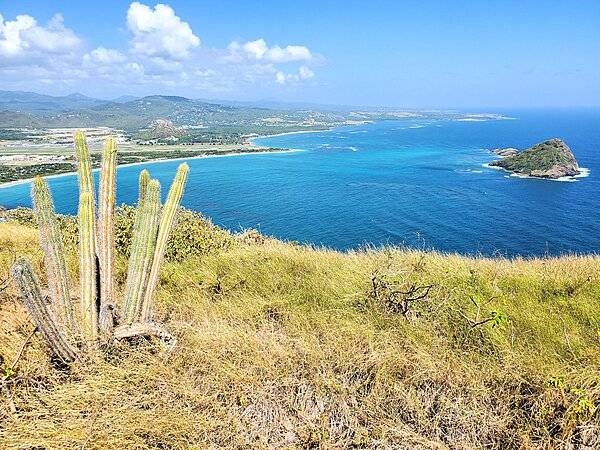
x: 251, y: 140
x: 258, y: 150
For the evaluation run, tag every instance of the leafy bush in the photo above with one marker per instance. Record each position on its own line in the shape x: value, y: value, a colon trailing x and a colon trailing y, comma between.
x: 193, y: 234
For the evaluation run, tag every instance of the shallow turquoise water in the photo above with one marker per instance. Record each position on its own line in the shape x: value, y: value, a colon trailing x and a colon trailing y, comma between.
x: 406, y: 182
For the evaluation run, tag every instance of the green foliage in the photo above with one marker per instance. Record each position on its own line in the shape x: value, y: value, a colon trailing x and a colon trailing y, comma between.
x: 20, y: 215
x: 498, y: 319
x: 14, y: 173
x: 583, y: 404
x: 193, y: 235
x: 540, y: 157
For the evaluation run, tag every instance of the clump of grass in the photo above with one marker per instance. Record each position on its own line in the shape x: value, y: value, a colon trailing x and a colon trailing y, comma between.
x: 282, y: 346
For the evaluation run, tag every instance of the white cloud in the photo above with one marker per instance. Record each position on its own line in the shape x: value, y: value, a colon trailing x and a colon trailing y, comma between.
x: 163, y: 55
x: 23, y: 35
x: 102, y: 55
x: 304, y: 73
x: 280, y: 78
x: 260, y: 51
x: 159, y: 32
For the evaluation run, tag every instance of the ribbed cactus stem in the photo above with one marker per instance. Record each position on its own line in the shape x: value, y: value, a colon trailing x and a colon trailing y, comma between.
x: 41, y: 315
x: 87, y: 266
x: 54, y: 259
x: 84, y: 168
x: 142, y: 251
x: 144, y: 180
x: 106, y: 233
x: 167, y: 220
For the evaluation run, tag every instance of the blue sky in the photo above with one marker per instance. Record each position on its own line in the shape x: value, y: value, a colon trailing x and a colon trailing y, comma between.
x: 423, y: 54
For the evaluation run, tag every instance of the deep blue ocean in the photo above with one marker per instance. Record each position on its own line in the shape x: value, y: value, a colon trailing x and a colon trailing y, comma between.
x: 414, y: 183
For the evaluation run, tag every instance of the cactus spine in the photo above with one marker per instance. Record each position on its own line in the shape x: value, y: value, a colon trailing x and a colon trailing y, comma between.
x: 87, y: 266
x: 167, y: 220
x: 106, y: 233
x: 54, y: 259
x: 142, y: 251
x: 42, y: 316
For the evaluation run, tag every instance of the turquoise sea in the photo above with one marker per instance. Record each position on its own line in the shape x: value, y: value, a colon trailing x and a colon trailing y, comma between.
x: 412, y: 182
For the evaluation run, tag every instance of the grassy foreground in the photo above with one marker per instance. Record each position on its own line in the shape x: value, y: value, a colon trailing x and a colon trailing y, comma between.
x: 285, y: 346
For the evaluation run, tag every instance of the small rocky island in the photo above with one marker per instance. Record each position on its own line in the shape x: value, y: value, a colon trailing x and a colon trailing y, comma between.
x: 549, y: 159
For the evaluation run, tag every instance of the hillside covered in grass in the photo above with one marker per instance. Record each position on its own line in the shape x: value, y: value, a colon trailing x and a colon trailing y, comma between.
x: 286, y: 346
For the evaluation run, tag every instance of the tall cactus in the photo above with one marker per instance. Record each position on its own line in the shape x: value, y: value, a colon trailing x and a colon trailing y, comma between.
x: 142, y: 252
x: 106, y: 234
x: 87, y: 266
x: 167, y: 221
x: 42, y: 317
x: 54, y: 258
x: 96, y: 252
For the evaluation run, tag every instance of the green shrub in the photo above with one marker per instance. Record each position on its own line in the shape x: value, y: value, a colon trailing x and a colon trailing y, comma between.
x: 193, y: 234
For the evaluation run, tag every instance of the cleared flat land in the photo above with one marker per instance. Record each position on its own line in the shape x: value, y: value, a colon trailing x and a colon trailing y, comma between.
x: 23, y: 160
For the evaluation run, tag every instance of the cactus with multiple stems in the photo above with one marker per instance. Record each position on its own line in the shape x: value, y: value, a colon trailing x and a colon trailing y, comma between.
x: 56, y: 321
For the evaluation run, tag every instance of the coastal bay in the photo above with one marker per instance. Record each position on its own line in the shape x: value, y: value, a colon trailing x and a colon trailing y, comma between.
x: 22, y: 163
x: 417, y: 183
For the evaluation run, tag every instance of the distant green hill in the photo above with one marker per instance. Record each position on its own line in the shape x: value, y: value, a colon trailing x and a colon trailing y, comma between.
x: 30, y: 110
x: 27, y: 109
x: 31, y: 102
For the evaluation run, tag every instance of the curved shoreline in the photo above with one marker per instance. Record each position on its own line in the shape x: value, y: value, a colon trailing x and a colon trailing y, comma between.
x: 290, y: 132
x: 10, y: 184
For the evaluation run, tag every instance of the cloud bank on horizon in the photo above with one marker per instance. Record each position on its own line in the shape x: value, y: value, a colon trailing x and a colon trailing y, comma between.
x: 163, y: 53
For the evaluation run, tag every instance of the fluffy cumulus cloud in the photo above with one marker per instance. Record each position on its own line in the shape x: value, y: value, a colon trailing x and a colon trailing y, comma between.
x: 105, y: 56
x: 304, y: 73
x: 259, y: 50
x: 161, y: 54
x: 24, y: 36
x: 159, y: 32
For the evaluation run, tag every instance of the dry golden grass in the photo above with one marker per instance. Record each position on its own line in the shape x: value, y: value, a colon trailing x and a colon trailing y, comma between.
x: 283, y: 346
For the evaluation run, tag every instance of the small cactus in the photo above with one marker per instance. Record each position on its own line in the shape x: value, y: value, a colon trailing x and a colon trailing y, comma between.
x: 42, y: 316
x: 54, y: 258
x: 167, y: 221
